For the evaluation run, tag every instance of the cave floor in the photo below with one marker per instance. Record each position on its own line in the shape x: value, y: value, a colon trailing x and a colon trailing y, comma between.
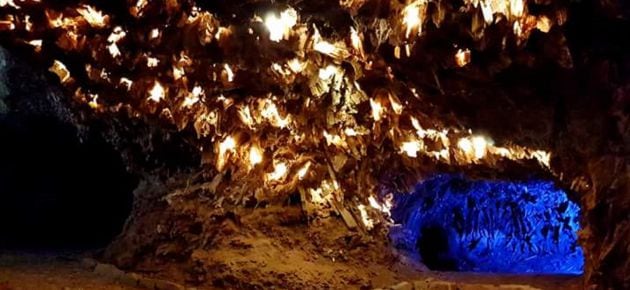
x: 54, y: 270
x: 485, y: 281
x: 70, y: 270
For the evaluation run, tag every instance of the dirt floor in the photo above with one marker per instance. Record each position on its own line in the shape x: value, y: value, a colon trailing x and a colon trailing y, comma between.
x: 44, y: 271
x: 52, y: 270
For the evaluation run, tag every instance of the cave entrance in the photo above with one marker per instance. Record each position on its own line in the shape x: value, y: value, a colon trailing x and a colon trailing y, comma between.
x: 453, y: 223
x: 56, y: 191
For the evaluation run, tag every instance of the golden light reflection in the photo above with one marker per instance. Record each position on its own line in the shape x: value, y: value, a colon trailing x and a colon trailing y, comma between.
x: 413, y: 15
x: 60, y: 70
x: 356, y: 42
x: 377, y: 110
x: 517, y: 8
x: 280, y: 170
x: 385, y: 207
x: 255, y: 155
x: 127, y: 83
x: 279, y: 118
x: 462, y: 57
x: 411, y: 148
x: 334, y: 139
x: 28, y: 25
x: 296, y: 65
x: 138, y: 8
x: 280, y: 27
x: 328, y: 72
x: 544, y: 24
x: 37, y: 44
x: 157, y: 93
x: 93, y: 103
x: 479, y: 145
x: 304, y: 170
x: 155, y: 33
x: 270, y: 113
x: 397, y: 107
x: 336, y: 50
x: 152, y: 61
x: 117, y: 35
x: 317, y: 195
x: 226, y: 146
x: 10, y: 3
x: 192, y: 98
x: 94, y: 17
x: 365, y: 218
x: 245, y: 116
x: 325, y: 47
x: 229, y: 72
x: 474, y: 147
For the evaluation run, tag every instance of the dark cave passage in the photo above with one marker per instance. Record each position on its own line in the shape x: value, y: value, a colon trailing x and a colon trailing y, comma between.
x: 459, y: 224
x: 58, y: 192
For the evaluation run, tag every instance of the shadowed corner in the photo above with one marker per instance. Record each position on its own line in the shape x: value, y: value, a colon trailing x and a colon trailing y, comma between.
x: 58, y: 192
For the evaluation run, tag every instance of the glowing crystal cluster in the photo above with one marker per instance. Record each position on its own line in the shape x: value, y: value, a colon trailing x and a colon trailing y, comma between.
x: 460, y: 224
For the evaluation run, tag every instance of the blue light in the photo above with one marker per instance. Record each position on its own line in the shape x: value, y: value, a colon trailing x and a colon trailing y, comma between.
x: 459, y: 224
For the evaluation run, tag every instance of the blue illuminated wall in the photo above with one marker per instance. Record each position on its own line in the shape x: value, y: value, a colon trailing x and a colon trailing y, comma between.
x: 458, y: 224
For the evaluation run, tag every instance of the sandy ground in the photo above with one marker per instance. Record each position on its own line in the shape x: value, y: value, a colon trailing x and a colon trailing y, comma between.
x: 46, y: 272
x: 543, y: 282
x: 67, y: 271
x: 255, y: 249
x: 59, y: 270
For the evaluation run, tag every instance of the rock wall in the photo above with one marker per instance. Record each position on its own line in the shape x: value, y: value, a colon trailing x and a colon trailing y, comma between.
x: 555, y: 91
x: 606, y: 233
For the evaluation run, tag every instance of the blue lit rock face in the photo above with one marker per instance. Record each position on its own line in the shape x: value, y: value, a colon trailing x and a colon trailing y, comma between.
x: 457, y: 224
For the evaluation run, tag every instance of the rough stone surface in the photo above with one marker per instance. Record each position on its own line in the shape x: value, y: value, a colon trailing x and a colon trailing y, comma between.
x: 431, y: 284
x: 403, y: 286
x: 159, y: 284
x: 556, y: 95
x: 109, y: 271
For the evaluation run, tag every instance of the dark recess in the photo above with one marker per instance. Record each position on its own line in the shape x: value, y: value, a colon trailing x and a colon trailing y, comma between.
x: 56, y: 191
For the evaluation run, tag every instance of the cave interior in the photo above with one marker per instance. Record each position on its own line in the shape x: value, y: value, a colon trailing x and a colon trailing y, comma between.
x: 396, y: 144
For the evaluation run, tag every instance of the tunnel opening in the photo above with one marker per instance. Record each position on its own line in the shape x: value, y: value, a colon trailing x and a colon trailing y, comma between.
x: 454, y: 223
x: 59, y: 190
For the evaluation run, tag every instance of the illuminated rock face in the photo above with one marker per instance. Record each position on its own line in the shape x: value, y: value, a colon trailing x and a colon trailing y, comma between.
x: 458, y: 224
x: 251, y: 88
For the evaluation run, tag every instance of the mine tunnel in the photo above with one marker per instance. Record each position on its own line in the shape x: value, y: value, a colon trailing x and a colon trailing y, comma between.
x: 57, y: 191
x: 455, y: 223
x: 62, y: 188
x: 329, y: 144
